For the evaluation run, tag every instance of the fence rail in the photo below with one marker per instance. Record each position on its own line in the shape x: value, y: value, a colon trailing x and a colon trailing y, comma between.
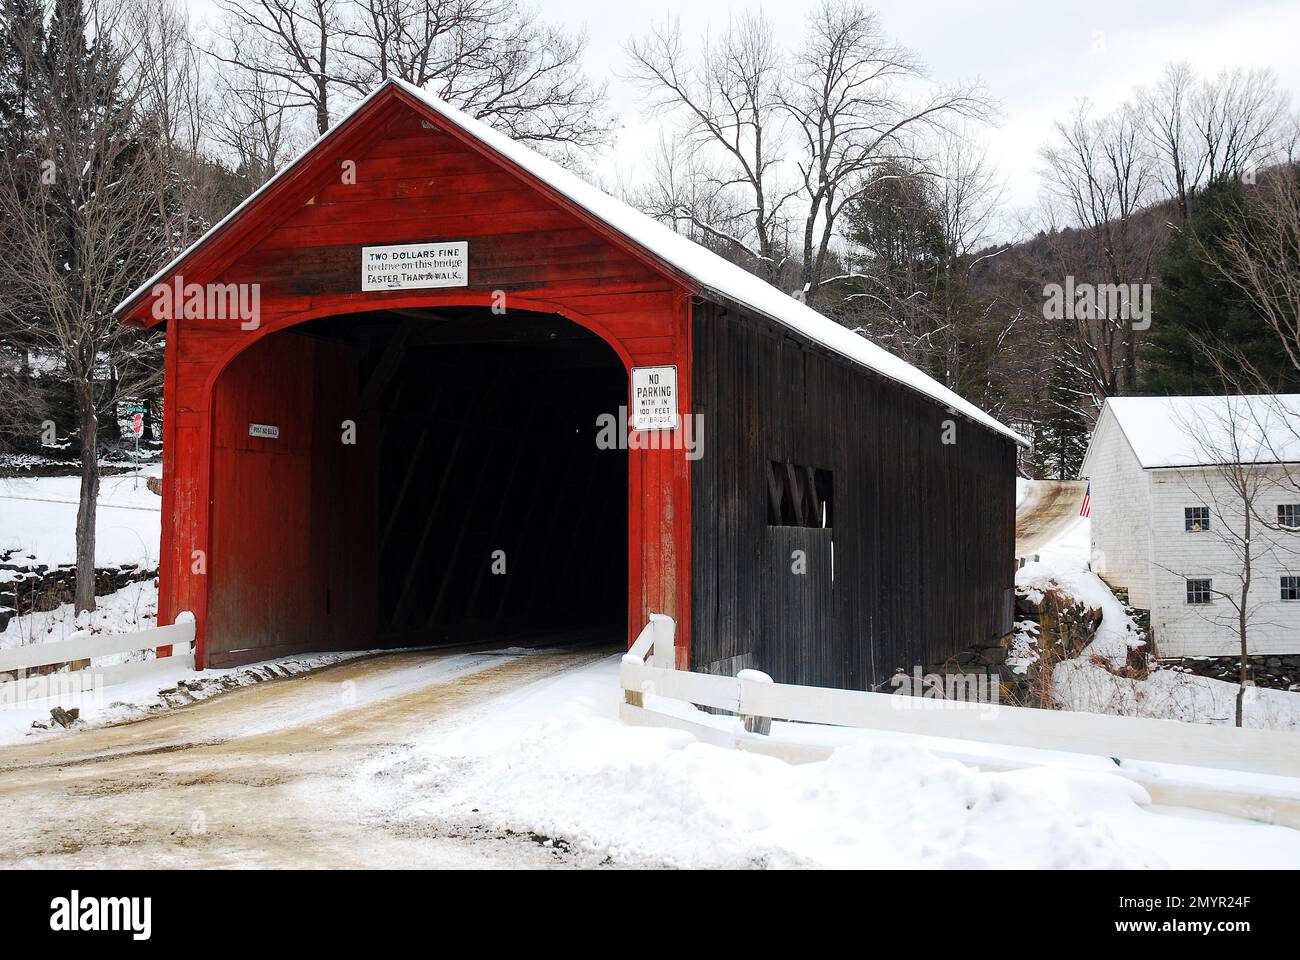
x: 752, y: 695
x: 86, y: 647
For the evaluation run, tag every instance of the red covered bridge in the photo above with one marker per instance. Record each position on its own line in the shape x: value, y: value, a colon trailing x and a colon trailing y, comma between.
x: 384, y: 376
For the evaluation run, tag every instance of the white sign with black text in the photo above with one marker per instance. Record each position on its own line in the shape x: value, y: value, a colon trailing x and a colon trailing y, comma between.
x: 267, y: 430
x: 415, y: 266
x: 654, y: 398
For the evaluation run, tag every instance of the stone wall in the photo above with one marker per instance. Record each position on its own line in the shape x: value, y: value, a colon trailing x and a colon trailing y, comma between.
x: 1276, y: 672
x: 27, y: 588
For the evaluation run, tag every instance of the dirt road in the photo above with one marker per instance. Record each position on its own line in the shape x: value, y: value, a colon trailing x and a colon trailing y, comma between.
x: 1050, y: 508
x: 261, y: 776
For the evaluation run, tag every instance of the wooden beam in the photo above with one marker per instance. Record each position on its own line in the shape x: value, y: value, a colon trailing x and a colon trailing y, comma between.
x: 488, y: 385
x: 387, y: 365
x: 526, y: 527
x: 402, y: 608
x: 773, y: 492
x: 411, y: 470
x: 496, y: 527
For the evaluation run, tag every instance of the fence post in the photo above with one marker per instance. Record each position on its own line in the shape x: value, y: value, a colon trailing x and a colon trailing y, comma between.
x: 664, y: 629
x: 760, y: 725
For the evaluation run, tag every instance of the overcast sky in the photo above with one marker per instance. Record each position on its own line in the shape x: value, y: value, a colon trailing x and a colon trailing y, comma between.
x: 1035, y: 58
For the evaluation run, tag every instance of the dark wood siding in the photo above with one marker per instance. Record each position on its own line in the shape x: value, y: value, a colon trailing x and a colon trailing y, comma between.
x: 923, y: 531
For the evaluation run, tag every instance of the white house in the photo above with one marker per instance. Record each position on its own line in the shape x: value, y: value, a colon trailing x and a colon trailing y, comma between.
x: 1171, y: 480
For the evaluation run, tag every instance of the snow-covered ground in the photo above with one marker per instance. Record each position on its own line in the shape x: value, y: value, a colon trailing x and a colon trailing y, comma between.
x: 1081, y: 684
x: 38, y: 520
x: 555, y: 761
x: 134, y: 607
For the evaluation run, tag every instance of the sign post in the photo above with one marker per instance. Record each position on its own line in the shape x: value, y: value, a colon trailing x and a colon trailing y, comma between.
x: 137, y: 428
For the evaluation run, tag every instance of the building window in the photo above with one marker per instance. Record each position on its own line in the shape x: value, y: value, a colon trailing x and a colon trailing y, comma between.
x: 799, y: 496
x: 1196, y: 519
x: 1288, y: 515
x: 1198, y: 591
x: 1291, y: 588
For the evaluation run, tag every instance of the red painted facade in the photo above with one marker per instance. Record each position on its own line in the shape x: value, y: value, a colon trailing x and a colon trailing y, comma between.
x: 417, y: 178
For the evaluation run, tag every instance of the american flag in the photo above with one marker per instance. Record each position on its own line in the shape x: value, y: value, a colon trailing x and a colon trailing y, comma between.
x: 1086, y: 509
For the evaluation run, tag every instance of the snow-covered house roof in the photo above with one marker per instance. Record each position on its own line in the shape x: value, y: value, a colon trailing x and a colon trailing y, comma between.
x: 715, y: 275
x: 1201, y: 431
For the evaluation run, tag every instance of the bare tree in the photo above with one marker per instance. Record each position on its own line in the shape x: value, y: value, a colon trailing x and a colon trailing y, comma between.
x: 854, y: 109
x: 680, y: 192
x: 967, y: 196
x: 492, y: 58
x: 167, y: 65
x: 173, y: 110
x: 1202, y: 130
x: 1259, y: 254
x: 1098, y: 179
x: 254, y: 128
x: 1166, y: 112
x: 1239, y: 117
x: 81, y: 227
x: 295, y: 45
x: 728, y: 100
x: 854, y: 105
x: 1233, y: 485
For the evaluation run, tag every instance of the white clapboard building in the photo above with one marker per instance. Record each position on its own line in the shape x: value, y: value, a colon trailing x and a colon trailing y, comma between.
x: 1171, y: 482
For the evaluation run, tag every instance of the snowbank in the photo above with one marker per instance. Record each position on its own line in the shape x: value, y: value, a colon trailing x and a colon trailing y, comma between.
x: 1081, y: 684
x: 134, y: 607
x: 1063, y: 563
x: 557, y: 763
x: 1173, y: 695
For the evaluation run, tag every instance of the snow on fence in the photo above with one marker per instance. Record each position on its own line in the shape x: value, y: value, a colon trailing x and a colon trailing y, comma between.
x: 647, y: 669
x: 86, y: 647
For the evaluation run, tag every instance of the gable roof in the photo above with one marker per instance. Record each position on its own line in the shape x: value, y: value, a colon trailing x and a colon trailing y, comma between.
x: 715, y: 276
x: 1203, y: 431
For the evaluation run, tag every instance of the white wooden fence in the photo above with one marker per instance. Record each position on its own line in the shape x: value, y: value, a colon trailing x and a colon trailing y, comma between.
x: 85, y: 646
x: 647, y: 669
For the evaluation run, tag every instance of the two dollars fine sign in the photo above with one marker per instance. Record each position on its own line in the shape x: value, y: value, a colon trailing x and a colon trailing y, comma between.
x: 415, y: 266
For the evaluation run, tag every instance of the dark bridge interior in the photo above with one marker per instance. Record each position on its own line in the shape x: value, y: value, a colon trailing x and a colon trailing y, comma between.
x: 483, y: 506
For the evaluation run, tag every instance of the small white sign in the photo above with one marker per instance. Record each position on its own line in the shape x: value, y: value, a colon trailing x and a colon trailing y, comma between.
x: 270, y: 431
x: 415, y: 266
x: 654, y: 398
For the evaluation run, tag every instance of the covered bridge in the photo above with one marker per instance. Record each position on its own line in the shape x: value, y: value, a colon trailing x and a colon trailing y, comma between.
x: 385, y: 379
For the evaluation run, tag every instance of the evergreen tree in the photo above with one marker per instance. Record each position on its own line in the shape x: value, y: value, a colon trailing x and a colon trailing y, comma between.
x: 23, y: 402
x: 897, y: 229
x: 1061, y: 431
x: 81, y: 228
x: 1195, y: 306
x: 21, y: 54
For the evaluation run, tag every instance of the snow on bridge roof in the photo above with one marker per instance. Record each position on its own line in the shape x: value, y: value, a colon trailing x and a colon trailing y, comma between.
x: 712, y: 272
x: 1198, y: 431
